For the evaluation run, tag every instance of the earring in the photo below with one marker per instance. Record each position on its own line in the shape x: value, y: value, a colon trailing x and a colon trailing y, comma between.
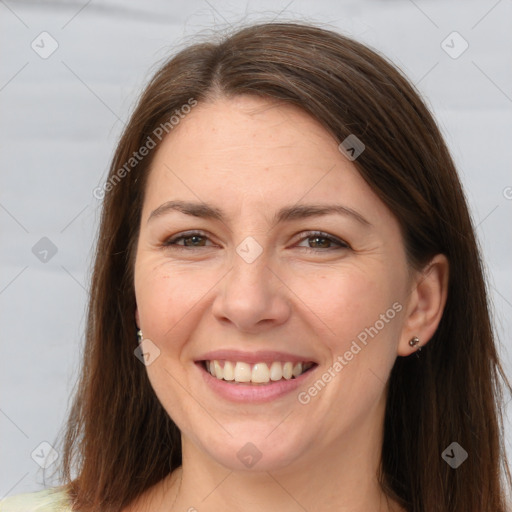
x: 140, y: 336
x: 414, y: 341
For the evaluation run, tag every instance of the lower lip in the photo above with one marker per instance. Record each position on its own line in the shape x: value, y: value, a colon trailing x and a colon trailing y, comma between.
x: 256, y: 393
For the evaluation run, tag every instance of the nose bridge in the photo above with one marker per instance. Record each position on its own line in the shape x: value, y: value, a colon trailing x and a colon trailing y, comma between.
x: 249, y: 271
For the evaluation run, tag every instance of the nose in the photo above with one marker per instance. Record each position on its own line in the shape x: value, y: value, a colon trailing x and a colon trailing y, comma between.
x: 252, y: 297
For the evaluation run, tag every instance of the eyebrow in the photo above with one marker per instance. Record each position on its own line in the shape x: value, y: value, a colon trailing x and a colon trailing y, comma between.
x: 287, y: 213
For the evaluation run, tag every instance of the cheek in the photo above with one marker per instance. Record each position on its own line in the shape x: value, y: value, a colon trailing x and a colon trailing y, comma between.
x: 348, y: 301
x: 169, y: 301
x: 365, y: 315
x: 361, y: 312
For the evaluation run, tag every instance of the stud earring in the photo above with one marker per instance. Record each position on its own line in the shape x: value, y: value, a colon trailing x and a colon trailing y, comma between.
x: 140, y: 336
x: 414, y: 341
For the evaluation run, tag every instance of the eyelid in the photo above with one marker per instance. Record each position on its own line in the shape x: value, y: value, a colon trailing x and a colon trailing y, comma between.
x: 322, y: 234
x: 185, y: 234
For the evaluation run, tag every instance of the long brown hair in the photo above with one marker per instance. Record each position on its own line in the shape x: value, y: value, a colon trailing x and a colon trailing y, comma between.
x: 119, y: 439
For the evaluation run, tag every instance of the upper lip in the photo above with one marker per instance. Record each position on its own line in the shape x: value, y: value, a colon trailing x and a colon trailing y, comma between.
x: 262, y: 356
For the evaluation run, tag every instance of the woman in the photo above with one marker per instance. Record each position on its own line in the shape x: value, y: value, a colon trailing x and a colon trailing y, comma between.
x: 285, y: 235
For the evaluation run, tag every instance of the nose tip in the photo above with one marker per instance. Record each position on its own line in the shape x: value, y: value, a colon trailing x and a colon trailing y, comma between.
x: 251, y: 297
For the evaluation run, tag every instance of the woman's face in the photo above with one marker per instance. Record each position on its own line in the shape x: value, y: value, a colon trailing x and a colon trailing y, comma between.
x: 245, y: 270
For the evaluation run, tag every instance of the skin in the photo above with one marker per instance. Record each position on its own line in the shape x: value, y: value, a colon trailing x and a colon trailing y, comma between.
x: 250, y: 157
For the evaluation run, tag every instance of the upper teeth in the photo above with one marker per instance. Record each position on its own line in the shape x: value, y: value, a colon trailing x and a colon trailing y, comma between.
x: 258, y: 373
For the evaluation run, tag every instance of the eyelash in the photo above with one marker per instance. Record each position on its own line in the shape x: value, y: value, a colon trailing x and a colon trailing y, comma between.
x: 171, y: 242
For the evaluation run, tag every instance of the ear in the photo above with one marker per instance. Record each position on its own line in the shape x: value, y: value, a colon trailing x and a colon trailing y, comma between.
x: 426, y: 304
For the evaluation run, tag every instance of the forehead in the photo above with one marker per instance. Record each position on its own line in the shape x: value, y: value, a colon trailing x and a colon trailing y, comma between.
x: 247, y: 152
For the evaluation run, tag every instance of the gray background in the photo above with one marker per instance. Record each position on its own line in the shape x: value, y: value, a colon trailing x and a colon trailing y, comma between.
x: 61, y: 117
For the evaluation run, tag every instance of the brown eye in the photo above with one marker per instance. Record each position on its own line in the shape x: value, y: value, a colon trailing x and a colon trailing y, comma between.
x: 193, y: 239
x: 322, y: 240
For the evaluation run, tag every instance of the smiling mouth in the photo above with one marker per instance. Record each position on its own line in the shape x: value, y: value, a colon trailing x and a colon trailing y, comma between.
x: 238, y: 372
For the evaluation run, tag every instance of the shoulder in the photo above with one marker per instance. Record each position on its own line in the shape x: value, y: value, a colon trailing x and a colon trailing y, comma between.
x: 54, y: 499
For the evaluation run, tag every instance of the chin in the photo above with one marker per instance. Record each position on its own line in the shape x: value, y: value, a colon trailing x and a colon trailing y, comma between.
x: 256, y: 452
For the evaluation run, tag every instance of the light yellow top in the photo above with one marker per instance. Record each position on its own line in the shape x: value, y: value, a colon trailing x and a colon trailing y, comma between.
x: 54, y: 499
